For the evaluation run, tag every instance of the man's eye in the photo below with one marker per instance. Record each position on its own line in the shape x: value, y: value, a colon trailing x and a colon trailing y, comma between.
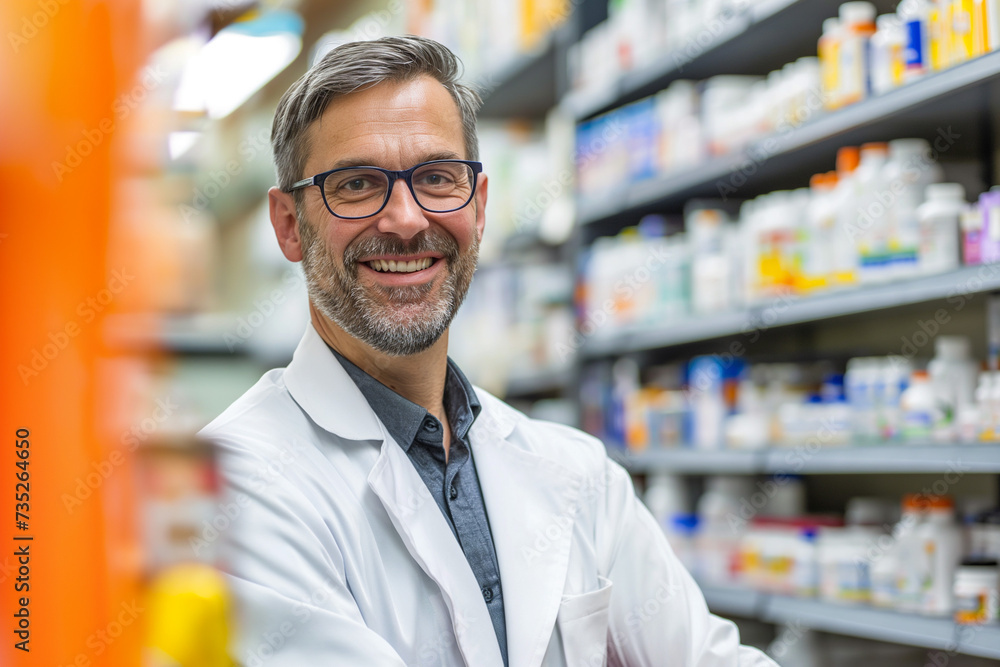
x: 435, y: 179
x: 356, y: 184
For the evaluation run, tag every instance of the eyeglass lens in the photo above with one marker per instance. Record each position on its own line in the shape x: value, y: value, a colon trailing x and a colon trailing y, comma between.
x: 358, y: 192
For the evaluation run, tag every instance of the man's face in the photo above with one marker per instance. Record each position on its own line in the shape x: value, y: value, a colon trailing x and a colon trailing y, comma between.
x: 393, y: 125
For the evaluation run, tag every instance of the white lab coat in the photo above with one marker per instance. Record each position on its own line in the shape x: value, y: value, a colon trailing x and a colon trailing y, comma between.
x: 338, y: 555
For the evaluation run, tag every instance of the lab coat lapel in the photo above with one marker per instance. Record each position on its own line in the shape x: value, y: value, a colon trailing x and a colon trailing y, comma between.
x: 324, y: 390
x: 419, y: 522
x: 530, y: 502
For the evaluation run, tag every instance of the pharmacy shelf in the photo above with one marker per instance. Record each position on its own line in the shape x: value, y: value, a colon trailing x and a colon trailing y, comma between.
x: 914, y: 109
x: 882, y: 625
x: 733, y: 601
x: 690, y: 461
x: 688, y: 330
x: 828, y: 459
x: 915, y: 458
x: 960, y: 285
x: 980, y: 640
x: 530, y: 84
x: 543, y: 382
x: 856, y: 621
x: 728, y: 45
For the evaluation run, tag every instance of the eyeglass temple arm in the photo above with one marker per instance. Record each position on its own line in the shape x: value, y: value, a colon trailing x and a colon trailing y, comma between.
x: 303, y: 183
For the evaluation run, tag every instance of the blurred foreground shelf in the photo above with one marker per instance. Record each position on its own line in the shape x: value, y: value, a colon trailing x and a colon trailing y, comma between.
x: 202, y: 334
x: 818, y: 459
x: 956, y: 286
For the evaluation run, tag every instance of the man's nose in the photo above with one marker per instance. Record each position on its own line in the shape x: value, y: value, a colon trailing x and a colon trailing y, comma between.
x: 402, y: 215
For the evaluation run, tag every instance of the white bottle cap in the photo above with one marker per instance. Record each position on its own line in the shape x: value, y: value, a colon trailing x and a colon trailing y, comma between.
x: 857, y: 12
x: 868, y: 512
x: 972, y: 219
x: 945, y: 192
x: 887, y: 21
x: 874, y: 149
x: 952, y: 348
x: 904, y: 148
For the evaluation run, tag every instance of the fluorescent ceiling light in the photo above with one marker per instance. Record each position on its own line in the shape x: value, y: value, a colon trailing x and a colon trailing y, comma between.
x: 238, y: 62
x: 179, y: 143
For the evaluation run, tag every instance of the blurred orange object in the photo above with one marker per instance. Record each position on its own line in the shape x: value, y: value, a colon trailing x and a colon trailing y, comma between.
x: 63, y: 64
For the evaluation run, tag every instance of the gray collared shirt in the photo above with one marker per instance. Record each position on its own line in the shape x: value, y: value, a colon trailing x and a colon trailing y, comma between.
x: 453, y: 484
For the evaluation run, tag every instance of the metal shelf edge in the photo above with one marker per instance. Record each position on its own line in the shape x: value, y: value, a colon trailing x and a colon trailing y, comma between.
x: 548, y: 380
x: 857, y: 621
x: 787, y: 310
x: 732, y: 600
x: 860, y: 621
x: 980, y: 640
x: 959, y: 459
x: 690, y: 460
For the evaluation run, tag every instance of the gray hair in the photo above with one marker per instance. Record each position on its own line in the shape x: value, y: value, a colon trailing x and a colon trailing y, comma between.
x: 354, y: 66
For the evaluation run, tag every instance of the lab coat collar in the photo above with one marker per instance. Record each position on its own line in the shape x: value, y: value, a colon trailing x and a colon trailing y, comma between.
x: 324, y: 390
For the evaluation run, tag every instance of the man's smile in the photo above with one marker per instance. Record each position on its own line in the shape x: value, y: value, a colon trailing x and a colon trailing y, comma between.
x: 401, y: 271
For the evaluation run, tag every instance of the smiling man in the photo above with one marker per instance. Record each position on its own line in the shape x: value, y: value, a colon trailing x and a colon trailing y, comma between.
x: 385, y: 511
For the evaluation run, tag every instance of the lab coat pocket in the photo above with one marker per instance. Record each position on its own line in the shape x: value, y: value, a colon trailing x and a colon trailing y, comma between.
x: 583, y: 626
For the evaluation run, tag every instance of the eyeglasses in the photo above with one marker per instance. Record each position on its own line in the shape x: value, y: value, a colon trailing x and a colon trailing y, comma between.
x: 438, y: 186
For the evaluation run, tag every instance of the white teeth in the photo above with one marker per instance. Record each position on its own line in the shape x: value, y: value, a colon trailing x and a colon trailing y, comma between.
x: 393, y: 266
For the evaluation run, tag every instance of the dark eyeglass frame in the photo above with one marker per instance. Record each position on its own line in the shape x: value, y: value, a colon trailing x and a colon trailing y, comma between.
x: 393, y: 176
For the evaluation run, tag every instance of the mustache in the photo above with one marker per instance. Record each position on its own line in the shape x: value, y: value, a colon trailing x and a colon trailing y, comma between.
x: 424, y: 242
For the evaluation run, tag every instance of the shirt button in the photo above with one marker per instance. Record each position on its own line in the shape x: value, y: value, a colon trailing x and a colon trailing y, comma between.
x: 429, y: 425
x: 488, y: 594
x: 453, y: 492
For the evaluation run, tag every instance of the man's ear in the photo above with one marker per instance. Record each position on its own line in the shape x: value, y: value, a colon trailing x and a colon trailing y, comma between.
x: 285, y: 222
x: 481, y: 191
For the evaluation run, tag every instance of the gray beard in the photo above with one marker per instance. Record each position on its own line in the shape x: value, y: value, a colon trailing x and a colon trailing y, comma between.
x: 397, y: 321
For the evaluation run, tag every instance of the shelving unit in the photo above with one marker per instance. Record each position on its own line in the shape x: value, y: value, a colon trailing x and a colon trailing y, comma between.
x: 732, y: 600
x: 956, y: 94
x: 819, y: 459
x: 883, y: 625
x: 857, y: 621
x: 545, y: 381
x: 786, y: 310
x: 690, y: 461
x: 790, y: 28
x: 531, y: 83
x: 953, y: 103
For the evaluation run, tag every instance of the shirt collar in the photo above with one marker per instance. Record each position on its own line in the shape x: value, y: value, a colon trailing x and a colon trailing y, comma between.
x: 402, y: 417
x: 460, y: 401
